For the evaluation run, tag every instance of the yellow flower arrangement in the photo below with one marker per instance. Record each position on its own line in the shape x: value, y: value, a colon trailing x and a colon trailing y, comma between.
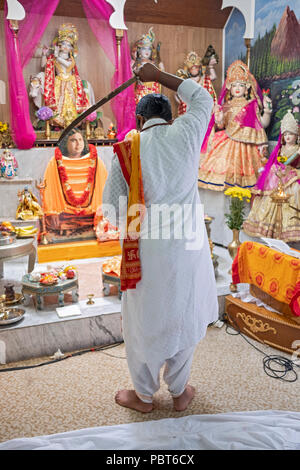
x: 235, y: 218
x: 238, y: 192
x: 3, y: 126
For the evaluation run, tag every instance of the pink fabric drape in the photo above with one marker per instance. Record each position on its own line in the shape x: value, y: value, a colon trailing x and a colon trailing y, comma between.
x: 248, y: 118
x: 272, y: 160
x: 212, y: 119
x: 98, y: 13
x: 19, y: 50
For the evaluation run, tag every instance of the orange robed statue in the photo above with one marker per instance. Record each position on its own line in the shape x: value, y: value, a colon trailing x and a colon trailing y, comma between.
x: 75, y: 179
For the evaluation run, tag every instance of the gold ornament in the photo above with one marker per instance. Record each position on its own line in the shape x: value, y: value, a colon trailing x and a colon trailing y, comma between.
x: 255, y: 325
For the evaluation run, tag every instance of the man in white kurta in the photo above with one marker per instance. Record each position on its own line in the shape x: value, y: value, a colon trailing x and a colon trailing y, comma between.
x: 168, y: 312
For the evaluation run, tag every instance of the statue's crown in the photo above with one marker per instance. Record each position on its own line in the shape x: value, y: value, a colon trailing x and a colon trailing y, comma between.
x: 192, y: 59
x: 238, y: 72
x: 289, y: 124
x: 68, y: 32
x: 146, y: 40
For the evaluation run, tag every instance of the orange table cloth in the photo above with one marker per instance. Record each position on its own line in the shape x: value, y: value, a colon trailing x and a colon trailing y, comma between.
x: 273, y: 272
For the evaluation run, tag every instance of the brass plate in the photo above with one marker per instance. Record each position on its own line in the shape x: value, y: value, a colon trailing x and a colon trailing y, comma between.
x: 18, y: 298
x: 11, y: 315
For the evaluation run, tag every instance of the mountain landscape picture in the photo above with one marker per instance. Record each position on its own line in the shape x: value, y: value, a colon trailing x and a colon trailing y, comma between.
x: 275, y: 55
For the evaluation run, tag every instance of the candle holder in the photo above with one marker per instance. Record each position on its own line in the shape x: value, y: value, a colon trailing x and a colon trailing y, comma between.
x: 90, y: 299
x: 279, y: 197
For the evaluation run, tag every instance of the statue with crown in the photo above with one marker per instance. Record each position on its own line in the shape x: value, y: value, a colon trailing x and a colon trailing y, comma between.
x: 236, y: 143
x: 281, y: 170
x: 201, y: 71
x: 64, y: 92
x: 142, y: 51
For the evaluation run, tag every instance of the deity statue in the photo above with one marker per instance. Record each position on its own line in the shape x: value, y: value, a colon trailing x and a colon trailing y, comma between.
x: 144, y: 51
x: 284, y: 160
x: 201, y: 71
x: 233, y: 154
x: 36, y: 88
x: 64, y: 91
x: 28, y: 208
x: 8, y: 165
x: 75, y: 179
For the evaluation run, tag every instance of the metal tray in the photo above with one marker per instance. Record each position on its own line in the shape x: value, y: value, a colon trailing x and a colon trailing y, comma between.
x: 8, y: 240
x: 18, y: 298
x: 11, y: 315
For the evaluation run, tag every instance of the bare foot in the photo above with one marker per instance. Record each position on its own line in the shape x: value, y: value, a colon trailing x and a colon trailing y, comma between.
x: 129, y: 399
x: 182, y: 402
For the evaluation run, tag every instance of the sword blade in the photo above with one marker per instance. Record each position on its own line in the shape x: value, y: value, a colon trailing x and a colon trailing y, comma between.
x: 95, y: 106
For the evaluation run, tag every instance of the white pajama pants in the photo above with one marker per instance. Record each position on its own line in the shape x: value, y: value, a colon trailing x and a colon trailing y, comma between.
x: 146, y: 377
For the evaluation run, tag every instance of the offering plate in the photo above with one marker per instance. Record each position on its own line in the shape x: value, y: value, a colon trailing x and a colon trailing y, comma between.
x: 11, y: 315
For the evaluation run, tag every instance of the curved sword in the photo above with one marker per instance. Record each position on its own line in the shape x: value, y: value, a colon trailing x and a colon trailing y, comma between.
x: 97, y: 105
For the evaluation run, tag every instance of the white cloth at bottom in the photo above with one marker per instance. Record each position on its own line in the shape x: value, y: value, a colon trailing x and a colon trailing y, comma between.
x: 244, y: 430
x: 146, y: 376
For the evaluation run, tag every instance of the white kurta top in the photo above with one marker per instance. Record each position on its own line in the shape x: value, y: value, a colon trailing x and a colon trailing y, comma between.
x: 177, y: 298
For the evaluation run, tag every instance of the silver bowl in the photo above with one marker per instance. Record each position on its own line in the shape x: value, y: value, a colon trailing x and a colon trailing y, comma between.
x: 8, y: 239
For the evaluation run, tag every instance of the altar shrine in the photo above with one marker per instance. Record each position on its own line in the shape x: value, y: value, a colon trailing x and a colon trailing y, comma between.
x: 62, y: 59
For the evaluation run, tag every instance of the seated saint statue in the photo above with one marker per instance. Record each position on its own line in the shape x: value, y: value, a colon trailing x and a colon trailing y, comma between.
x: 75, y: 179
x: 201, y: 71
x: 233, y: 154
x: 144, y: 51
x: 284, y: 164
x: 64, y: 91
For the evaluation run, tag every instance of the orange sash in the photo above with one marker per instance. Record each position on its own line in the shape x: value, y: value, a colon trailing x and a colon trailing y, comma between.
x: 128, y: 153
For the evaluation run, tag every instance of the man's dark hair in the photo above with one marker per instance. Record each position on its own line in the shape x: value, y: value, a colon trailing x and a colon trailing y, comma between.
x: 154, y: 105
x: 63, y: 145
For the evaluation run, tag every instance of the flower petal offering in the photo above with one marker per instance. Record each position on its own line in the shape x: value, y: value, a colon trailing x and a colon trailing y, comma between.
x: 48, y: 278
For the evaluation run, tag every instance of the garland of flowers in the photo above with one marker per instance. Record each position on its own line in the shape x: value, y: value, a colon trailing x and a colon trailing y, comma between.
x: 67, y: 190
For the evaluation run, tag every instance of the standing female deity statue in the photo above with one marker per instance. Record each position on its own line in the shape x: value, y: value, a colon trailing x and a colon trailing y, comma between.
x: 144, y: 51
x: 285, y: 159
x: 201, y: 71
x: 233, y: 154
x: 63, y: 89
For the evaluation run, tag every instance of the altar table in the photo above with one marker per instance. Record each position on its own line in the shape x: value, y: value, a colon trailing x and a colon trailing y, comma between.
x: 59, y: 289
x: 21, y: 247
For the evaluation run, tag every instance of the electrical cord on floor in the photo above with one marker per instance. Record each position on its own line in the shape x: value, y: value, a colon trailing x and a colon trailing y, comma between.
x: 269, y: 362
x: 67, y: 356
